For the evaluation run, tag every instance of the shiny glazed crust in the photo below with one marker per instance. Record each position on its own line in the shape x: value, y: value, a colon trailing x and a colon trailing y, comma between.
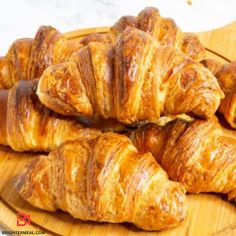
x: 27, y: 125
x: 135, y: 80
x: 227, y: 81
x: 28, y: 58
x: 199, y: 154
x: 90, y: 180
x: 164, y: 31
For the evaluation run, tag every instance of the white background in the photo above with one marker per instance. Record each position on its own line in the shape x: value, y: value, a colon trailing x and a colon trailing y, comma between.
x: 21, y: 18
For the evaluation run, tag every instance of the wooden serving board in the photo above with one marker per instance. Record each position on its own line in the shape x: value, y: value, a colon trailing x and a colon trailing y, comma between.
x: 208, y: 214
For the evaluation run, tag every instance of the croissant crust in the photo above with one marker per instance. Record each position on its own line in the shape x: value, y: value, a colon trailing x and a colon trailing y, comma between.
x: 199, y: 154
x: 90, y: 180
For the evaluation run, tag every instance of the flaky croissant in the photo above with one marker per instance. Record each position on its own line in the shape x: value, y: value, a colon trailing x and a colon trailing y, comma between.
x: 133, y: 81
x: 227, y: 80
x: 164, y: 31
x: 27, y: 58
x: 213, y: 65
x: 27, y: 125
x: 226, y: 75
x: 199, y: 154
x: 105, y: 179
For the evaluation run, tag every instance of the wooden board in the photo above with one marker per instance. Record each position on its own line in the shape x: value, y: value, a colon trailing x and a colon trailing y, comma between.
x: 208, y: 214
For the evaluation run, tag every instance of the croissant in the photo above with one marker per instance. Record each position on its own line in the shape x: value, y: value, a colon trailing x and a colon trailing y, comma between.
x: 104, y: 179
x: 227, y: 80
x: 27, y: 125
x: 27, y: 58
x: 135, y: 80
x: 199, y: 154
x: 226, y: 75
x: 213, y: 65
x: 164, y: 30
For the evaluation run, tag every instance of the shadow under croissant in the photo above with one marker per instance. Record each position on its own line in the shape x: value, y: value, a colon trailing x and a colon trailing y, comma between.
x: 223, y: 121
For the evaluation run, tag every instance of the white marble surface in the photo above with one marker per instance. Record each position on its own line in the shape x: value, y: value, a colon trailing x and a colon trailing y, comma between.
x: 21, y: 18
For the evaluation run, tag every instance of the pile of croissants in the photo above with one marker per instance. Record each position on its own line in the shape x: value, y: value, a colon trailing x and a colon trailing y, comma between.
x: 129, y: 121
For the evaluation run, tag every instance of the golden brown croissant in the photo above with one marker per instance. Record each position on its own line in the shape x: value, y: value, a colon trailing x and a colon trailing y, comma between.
x: 226, y: 75
x: 27, y: 58
x: 213, y: 65
x: 199, y: 154
x: 192, y: 47
x: 104, y: 179
x: 135, y: 80
x: 27, y: 125
x: 227, y: 80
x: 164, y: 30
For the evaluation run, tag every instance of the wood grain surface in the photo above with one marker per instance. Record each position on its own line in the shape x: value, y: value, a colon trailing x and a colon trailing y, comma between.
x: 208, y: 214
